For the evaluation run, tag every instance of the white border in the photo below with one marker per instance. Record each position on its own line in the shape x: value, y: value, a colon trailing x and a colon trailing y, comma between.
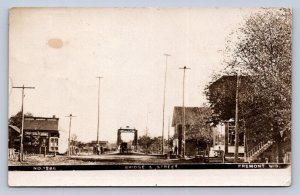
x: 211, y: 177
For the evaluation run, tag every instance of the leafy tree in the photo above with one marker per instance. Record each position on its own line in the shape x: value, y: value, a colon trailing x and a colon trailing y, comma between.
x: 197, y: 123
x: 145, y: 142
x: 221, y: 94
x: 155, y: 145
x: 74, y: 139
x: 263, y: 54
x: 198, y: 127
x: 169, y: 142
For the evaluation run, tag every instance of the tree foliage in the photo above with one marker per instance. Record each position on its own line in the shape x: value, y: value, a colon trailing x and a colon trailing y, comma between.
x: 222, y: 96
x: 262, y: 53
x: 153, y: 144
x: 145, y: 142
x: 198, y: 125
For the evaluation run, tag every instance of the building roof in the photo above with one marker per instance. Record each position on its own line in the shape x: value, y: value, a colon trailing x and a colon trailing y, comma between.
x: 228, y: 82
x: 15, y: 128
x: 41, y: 123
x: 192, y: 115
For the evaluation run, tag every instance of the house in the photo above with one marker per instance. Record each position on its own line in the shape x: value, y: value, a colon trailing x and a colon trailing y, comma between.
x: 13, y: 137
x: 13, y: 141
x: 41, y: 135
x: 198, y: 132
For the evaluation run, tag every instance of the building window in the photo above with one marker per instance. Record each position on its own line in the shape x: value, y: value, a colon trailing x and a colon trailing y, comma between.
x: 53, y: 144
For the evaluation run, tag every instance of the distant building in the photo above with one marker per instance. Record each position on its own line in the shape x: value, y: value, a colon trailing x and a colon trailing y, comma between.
x: 40, y: 135
x: 198, y: 133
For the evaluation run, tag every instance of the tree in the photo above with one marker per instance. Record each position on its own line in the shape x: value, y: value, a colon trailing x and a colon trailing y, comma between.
x: 145, y: 142
x: 73, y: 144
x: 221, y: 93
x: 155, y: 145
x: 16, y: 120
x: 74, y: 139
x: 263, y: 54
x: 198, y: 127
x: 170, y: 142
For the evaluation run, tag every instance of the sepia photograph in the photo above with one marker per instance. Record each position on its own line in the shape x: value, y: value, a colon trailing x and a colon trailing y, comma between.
x: 150, y: 96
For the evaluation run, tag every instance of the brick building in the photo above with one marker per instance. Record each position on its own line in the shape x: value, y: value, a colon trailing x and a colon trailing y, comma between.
x: 40, y: 135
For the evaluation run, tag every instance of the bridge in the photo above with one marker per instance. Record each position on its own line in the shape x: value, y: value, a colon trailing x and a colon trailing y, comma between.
x: 123, y: 145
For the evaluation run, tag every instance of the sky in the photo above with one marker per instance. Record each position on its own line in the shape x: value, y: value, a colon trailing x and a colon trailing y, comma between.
x: 61, y: 51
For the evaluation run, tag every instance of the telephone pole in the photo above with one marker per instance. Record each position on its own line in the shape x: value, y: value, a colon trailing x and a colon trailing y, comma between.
x: 236, y: 141
x: 183, y: 111
x: 69, y: 141
x: 147, y: 123
x: 164, y: 102
x: 21, y: 157
x: 98, y: 122
x: 169, y: 129
x: 169, y: 134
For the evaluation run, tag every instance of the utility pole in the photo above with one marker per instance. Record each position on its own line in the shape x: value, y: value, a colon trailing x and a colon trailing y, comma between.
x: 98, y: 120
x: 236, y: 144
x: 169, y: 129
x: 183, y: 111
x: 164, y: 102
x: 245, y: 142
x: 69, y: 141
x: 147, y: 123
x: 21, y: 153
x: 169, y: 145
